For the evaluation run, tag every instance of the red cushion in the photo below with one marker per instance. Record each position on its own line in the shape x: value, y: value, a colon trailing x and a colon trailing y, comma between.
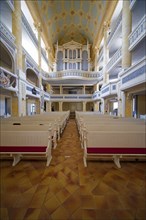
x: 111, y: 150
x: 21, y: 149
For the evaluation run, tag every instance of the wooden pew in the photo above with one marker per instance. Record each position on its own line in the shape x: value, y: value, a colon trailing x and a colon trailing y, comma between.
x: 33, y: 127
x: 19, y: 143
x: 117, y: 144
x: 109, y: 127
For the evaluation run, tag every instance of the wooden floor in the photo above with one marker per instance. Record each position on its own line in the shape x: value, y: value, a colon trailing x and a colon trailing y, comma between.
x: 67, y: 190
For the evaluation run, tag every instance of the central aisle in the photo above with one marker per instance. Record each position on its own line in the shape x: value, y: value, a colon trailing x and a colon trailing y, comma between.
x: 67, y: 190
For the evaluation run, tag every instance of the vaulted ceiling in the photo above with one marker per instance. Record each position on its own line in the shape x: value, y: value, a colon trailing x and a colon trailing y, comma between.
x: 66, y: 20
x: 76, y: 20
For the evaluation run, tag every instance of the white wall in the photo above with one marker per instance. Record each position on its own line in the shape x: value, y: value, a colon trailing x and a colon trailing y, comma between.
x: 29, y: 45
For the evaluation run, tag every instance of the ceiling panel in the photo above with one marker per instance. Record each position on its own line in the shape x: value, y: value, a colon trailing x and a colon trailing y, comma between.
x: 68, y: 20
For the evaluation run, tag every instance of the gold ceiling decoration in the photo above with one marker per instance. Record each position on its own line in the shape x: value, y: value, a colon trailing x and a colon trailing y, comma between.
x: 67, y: 20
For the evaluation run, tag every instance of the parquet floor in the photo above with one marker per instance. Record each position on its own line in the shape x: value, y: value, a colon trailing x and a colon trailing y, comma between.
x: 66, y: 190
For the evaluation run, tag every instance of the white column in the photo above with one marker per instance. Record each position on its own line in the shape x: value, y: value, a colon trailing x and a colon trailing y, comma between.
x: 61, y: 89
x: 105, y: 54
x: 84, y: 106
x: 84, y: 91
x: 126, y: 30
x: 17, y: 32
x: 60, y: 106
x: 102, y: 106
x: 123, y: 104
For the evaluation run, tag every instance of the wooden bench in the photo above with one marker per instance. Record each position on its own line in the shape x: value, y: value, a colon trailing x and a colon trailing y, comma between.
x: 19, y: 143
x: 115, y: 144
x: 109, y: 127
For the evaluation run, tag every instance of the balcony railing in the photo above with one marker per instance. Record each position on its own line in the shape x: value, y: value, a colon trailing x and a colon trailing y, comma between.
x: 8, y: 80
x: 5, y: 31
x: 109, y: 89
x: 115, y: 28
x: 71, y: 73
x: 116, y: 58
x: 46, y: 96
x: 132, y: 3
x: 135, y: 75
x: 73, y: 97
x: 32, y: 90
x: 96, y: 95
x: 138, y: 33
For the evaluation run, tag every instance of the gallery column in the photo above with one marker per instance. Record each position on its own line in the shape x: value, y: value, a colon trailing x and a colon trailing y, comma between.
x: 126, y: 55
x: 19, y: 106
x: 105, y: 54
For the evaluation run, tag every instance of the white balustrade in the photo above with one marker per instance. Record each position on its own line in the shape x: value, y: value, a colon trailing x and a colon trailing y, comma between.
x: 134, y: 75
x: 116, y: 58
x: 115, y: 28
x: 8, y: 80
x: 71, y: 73
x: 138, y: 33
x: 5, y: 31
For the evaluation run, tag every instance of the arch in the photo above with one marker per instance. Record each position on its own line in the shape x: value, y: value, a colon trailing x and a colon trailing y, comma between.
x: 32, y: 77
x: 6, y: 58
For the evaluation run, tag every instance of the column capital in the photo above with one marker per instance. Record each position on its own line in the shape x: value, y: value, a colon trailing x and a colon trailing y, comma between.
x: 38, y: 26
x: 106, y: 26
x: 48, y: 49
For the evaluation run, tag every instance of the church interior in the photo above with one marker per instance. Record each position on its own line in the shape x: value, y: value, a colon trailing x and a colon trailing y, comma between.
x: 73, y: 109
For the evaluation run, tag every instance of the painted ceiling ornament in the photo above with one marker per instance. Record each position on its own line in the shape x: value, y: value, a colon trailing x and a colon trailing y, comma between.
x: 4, y: 80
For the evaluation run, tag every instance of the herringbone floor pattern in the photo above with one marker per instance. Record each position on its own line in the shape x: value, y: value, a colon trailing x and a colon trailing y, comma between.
x: 66, y: 190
